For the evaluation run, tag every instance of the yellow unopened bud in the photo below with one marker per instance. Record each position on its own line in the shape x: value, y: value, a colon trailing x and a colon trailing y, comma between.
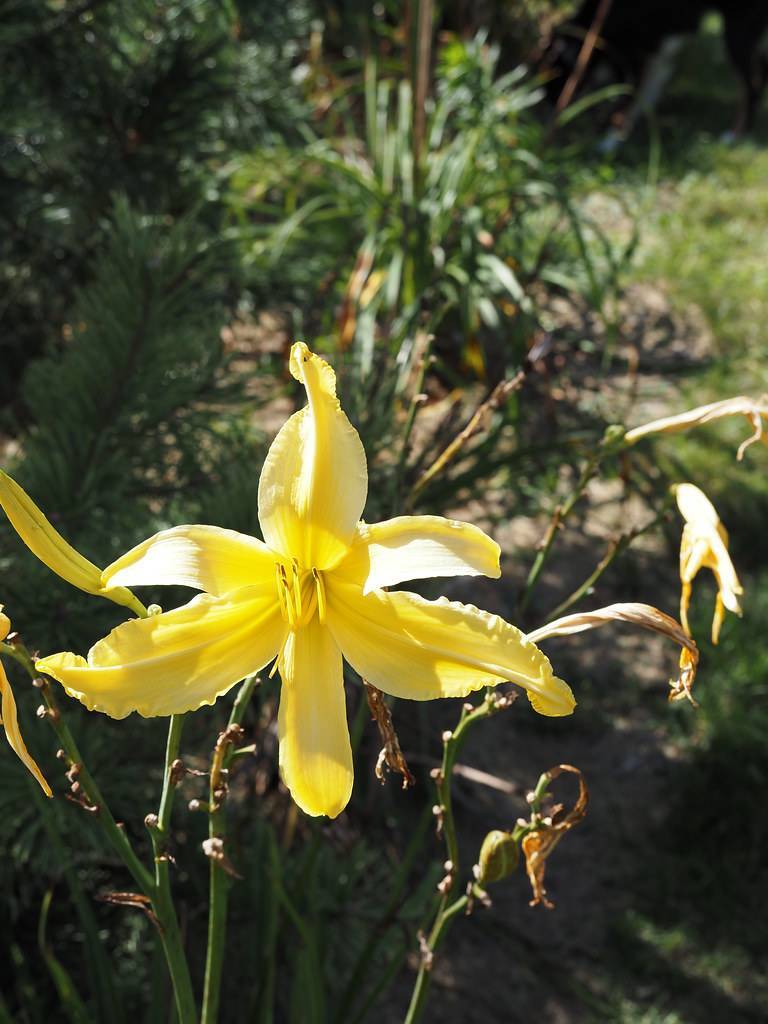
x: 50, y: 547
x: 499, y: 856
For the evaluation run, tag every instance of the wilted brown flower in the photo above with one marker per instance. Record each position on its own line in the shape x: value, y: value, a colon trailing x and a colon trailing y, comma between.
x: 643, y: 615
x: 742, y: 405
x: 539, y: 843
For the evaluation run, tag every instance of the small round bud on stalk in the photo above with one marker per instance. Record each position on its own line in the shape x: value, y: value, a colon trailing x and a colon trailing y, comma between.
x: 151, y: 821
x: 499, y: 856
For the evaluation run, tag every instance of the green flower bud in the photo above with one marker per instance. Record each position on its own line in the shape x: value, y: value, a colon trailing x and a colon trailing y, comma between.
x: 499, y: 855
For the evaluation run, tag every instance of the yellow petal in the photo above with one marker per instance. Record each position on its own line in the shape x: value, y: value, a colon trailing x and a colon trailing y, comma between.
x: 694, y: 549
x: 11, y: 725
x: 695, y: 507
x: 205, y: 557
x: 704, y: 544
x: 421, y: 649
x: 728, y: 585
x: 417, y: 548
x: 315, y: 753
x: 178, y: 661
x: 51, y: 548
x: 314, y: 481
x: 5, y: 624
x: 717, y: 618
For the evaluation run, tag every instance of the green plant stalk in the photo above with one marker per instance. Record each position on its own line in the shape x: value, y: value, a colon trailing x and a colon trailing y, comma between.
x: 162, y: 898
x: 615, y: 548
x: 447, y: 907
x: 408, y: 429
x: 219, y: 882
x: 382, y: 926
x: 559, y: 516
x: 439, y: 929
x: 156, y: 888
x: 113, y: 832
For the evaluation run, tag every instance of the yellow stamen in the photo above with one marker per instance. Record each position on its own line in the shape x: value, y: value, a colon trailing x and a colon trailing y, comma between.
x: 320, y: 591
x: 281, y: 591
x: 289, y: 598
x: 296, y: 588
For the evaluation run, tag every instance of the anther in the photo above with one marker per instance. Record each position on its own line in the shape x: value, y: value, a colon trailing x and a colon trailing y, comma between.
x: 288, y: 598
x: 279, y: 574
x: 296, y: 589
x: 320, y: 589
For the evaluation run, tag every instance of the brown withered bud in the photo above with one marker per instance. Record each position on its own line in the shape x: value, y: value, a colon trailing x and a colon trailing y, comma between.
x: 177, y: 772
x: 213, y: 848
x: 425, y: 953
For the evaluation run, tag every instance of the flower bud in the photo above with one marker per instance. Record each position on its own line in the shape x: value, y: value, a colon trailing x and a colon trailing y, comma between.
x: 499, y: 855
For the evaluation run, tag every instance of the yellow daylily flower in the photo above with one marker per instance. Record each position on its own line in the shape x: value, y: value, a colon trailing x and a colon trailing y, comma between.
x: 46, y: 542
x: 9, y: 718
x: 310, y: 593
x: 704, y: 544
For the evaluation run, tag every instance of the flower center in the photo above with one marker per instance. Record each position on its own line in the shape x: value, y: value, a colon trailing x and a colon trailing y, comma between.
x: 300, y: 593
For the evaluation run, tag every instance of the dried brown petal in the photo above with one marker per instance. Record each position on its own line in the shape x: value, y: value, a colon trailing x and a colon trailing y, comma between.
x: 131, y: 899
x: 643, y: 615
x: 539, y: 843
x: 752, y: 408
x: 391, y: 755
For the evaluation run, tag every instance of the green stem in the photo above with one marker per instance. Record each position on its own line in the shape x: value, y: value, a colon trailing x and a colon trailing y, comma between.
x: 162, y: 901
x: 446, y: 909
x: 156, y: 888
x: 559, y: 516
x: 408, y: 429
x: 381, y: 927
x: 615, y: 548
x: 219, y: 883
x: 114, y: 833
x: 439, y: 929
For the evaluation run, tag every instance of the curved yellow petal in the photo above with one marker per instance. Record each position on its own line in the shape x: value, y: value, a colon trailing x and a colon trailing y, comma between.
x: 420, y: 649
x: 315, y: 753
x: 315, y: 480
x: 50, y: 547
x: 704, y: 544
x: 695, y: 507
x: 417, y: 548
x: 719, y: 561
x: 694, y: 550
x: 177, y: 661
x: 208, y: 558
x: 11, y: 725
